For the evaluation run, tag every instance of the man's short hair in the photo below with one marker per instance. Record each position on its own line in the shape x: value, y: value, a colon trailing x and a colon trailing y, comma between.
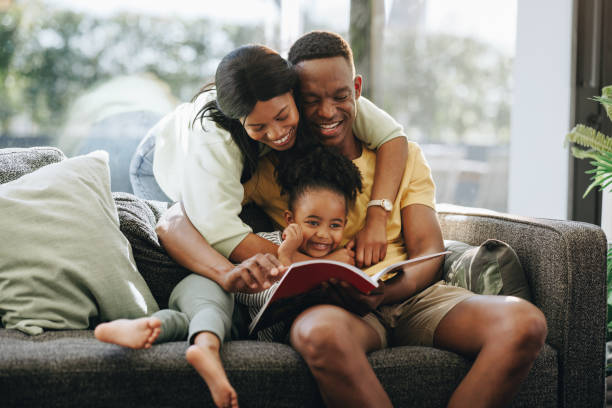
x: 320, y: 44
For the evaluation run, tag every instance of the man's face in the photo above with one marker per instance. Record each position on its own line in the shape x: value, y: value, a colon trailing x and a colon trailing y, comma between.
x: 329, y: 95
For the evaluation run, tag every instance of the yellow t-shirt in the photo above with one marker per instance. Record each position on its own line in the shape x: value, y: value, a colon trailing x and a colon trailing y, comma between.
x: 417, y: 187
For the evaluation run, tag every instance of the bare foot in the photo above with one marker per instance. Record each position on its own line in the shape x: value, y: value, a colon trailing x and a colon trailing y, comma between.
x: 207, y: 363
x: 136, y: 334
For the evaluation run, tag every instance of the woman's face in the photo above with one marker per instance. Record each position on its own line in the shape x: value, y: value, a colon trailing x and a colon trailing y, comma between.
x: 274, y: 122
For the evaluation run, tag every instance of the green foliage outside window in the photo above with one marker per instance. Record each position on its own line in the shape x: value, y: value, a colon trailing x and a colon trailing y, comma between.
x: 49, y: 57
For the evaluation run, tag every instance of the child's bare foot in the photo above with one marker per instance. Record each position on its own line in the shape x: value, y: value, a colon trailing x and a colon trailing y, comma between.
x: 207, y: 363
x: 136, y: 334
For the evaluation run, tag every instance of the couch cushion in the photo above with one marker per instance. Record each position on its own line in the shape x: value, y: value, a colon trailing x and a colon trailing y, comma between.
x: 63, y: 260
x: 73, y: 369
x: 137, y: 222
x: 16, y: 162
x: 492, y: 268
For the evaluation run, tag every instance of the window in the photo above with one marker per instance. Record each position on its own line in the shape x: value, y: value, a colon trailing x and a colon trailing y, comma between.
x: 442, y: 69
x: 447, y: 69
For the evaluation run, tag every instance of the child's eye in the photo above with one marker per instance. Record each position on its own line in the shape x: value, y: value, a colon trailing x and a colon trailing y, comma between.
x: 335, y: 226
x: 312, y: 223
x: 282, y: 119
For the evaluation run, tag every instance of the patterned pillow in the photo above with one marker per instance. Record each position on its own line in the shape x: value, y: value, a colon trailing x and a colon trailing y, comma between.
x: 492, y: 268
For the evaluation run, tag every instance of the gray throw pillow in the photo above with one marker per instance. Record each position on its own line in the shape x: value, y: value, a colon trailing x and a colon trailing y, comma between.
x: 492, y: 268
x: 64, y: 263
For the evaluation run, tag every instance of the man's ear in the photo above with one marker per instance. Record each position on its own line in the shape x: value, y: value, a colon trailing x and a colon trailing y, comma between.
x: 358, y: 85
x: 288, y: 216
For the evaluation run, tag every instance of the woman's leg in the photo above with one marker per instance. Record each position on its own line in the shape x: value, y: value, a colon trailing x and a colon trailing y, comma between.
x: 334, y: 343
x: 141, y: 171
x: 209, y: 309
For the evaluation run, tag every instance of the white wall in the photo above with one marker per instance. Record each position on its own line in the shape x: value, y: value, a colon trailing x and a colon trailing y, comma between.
x: 541, y: 109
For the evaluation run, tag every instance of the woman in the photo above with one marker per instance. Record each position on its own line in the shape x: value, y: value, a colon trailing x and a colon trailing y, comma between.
x: 202, y: 154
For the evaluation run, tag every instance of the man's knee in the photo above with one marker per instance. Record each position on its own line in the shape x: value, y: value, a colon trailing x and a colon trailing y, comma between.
x: 319, y: 334
x: 523, y: 327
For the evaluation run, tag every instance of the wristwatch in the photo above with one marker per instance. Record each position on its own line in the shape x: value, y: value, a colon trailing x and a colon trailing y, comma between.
x: 387, y: 205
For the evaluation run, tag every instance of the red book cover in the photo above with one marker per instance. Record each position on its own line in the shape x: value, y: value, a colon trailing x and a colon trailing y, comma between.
x: 302, y: 278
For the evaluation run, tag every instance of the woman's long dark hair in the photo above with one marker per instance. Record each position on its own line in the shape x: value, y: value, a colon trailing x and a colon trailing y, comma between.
x: 248, y: 74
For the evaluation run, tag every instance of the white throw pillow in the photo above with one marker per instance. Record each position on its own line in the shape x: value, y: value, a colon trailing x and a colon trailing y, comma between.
x: 64, y: 263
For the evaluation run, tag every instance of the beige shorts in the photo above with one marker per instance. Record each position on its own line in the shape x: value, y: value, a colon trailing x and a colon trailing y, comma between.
x: 414, y: 321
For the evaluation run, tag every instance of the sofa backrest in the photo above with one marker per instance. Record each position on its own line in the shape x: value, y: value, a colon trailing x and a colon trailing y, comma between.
x: 15, y: 162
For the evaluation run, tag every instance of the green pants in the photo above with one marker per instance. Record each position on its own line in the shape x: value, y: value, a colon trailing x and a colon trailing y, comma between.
x: 196, y: 304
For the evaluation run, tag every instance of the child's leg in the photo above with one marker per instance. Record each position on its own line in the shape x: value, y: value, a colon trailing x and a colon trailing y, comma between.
x: 334, y: 342
x: 204, y: 356
x: 209, y: 309
x: 132, y: 333
x: 164, y: 326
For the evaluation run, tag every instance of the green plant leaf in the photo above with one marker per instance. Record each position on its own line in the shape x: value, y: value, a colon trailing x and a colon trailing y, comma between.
x: 589, y: 137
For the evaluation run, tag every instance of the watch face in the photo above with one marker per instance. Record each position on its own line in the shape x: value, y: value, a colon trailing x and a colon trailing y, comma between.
x: 386, y: 204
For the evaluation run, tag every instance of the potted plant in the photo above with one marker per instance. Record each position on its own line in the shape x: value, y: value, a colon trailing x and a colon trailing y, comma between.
x: 588, y: 143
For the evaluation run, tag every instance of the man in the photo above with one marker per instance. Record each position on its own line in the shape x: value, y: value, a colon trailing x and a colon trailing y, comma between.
x: 503, y: 334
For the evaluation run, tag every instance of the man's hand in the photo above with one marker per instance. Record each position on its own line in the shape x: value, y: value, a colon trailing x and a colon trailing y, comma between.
x: 345, y: 295
x: 371, y: 241
x: 292, y: 239
x: 346, y: 254
x: 254, y: 274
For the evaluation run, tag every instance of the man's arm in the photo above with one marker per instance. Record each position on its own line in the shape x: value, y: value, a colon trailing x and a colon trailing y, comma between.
x: 422, y: 235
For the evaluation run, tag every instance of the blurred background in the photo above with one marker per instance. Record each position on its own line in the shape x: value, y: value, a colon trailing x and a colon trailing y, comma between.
x: 97, y: 74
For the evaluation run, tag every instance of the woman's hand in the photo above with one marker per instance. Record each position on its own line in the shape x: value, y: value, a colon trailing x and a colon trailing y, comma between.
x: 254, y: 274
x: 292, y: 239
x: 371, y: 241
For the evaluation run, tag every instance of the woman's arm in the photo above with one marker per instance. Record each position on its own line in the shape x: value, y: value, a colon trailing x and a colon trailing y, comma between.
x: 380, y: 132
x: 188, y: 248
x: 371, y: 241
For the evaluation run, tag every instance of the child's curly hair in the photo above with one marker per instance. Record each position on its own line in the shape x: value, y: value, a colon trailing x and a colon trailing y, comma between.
x: 319, y: 167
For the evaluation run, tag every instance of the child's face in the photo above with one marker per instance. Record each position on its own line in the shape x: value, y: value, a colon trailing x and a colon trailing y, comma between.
x: 322, y: 215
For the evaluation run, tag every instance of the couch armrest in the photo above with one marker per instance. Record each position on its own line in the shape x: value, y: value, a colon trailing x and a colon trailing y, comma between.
x: 565, y: 265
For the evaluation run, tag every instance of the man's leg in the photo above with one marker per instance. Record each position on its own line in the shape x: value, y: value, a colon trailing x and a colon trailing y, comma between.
x: 505, y: 334
x: 334, y: 343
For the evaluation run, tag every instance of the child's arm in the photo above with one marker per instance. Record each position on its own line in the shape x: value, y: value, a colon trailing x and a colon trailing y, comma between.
x: 292, y: 239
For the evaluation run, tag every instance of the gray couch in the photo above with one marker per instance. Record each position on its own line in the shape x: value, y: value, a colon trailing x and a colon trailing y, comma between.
x: 565, y: 266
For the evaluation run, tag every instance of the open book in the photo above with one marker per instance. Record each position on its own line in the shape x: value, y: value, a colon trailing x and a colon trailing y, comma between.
x: 296, y: 289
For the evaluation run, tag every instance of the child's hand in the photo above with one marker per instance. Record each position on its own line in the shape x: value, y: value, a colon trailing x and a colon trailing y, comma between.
x: 371, y: 243
x: 254, y: 274
x: 346, y: 254
x: 292, y: 239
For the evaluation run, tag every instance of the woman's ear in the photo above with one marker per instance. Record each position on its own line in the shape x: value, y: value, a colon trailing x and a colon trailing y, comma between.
x: 288, y: 217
